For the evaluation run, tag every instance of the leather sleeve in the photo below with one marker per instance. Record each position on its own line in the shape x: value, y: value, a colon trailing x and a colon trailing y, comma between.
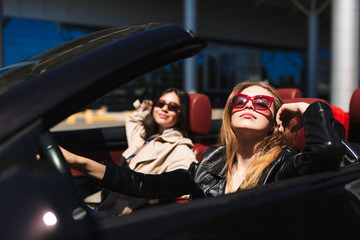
x: 323, y: 149
x: 162, y: 186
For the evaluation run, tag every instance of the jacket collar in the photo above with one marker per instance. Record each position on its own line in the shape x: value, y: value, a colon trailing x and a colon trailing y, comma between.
x: 218, y: 169
x: 172, y: 135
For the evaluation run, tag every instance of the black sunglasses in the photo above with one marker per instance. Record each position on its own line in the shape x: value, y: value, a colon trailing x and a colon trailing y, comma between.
x: 171, y: 105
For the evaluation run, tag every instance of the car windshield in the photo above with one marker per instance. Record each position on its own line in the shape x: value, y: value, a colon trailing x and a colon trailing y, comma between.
x: 14, y: 75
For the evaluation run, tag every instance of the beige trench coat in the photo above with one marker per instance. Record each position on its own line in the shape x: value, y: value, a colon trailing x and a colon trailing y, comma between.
x: 167, y: 152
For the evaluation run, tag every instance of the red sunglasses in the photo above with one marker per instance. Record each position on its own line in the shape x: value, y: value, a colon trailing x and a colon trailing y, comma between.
x: 171, y: 106
x: 259, y: 102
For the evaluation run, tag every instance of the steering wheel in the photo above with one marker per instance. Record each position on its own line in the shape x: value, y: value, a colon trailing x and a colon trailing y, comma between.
x: 52, y: 153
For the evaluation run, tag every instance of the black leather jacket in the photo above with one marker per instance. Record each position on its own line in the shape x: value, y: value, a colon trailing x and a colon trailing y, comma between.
x: 323, y: 151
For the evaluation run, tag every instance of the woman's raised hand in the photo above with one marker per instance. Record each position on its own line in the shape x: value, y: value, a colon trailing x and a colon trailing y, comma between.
x: 287, y: 112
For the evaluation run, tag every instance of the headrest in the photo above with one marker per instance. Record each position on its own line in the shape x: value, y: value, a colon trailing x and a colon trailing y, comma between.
x: 200, y: 113
x: 354, y: 109
x: 301, y: 99
x: 285, y: 93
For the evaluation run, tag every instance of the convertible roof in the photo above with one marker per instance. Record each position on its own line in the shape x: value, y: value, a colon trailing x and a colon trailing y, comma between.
x: 54, y: 84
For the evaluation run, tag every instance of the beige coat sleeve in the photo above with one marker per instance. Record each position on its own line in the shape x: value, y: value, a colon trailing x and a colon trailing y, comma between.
x: 134, y: 127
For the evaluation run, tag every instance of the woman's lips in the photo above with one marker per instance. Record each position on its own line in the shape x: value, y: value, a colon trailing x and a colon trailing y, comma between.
x: 247, y: 115
x: 163, y: 116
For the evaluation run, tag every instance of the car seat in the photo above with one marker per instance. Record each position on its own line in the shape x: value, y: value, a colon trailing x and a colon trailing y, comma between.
x: 200, y: 119
x: 354, y: 115
x: 286, y: 93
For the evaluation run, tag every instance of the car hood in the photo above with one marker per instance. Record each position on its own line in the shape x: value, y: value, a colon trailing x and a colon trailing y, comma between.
x: 56, y: 83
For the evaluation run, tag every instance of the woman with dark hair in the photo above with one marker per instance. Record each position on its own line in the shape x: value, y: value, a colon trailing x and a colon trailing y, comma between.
x: 158, y: 134
x: 158, y: 141
x: 255, y: 148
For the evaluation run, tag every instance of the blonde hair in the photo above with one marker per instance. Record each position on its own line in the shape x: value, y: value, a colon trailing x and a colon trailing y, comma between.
x: 268, y: 149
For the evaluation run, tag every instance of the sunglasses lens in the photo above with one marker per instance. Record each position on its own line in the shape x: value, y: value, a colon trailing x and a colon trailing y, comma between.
x: 160, y: 104
x: 261, y: 103
x: 239, y: 101
x: 173, y: 107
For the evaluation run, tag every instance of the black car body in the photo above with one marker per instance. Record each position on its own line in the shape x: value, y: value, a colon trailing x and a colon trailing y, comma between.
x: 42, y: 91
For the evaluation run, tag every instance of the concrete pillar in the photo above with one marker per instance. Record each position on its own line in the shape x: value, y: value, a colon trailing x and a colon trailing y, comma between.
x: 190, y: 64
x: 313, y: 53
x: 344, y: 51
x: 313, y: 14
x: 1, y: 36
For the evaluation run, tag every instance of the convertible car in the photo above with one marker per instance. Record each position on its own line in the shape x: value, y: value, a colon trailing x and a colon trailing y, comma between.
x: 40, y: 198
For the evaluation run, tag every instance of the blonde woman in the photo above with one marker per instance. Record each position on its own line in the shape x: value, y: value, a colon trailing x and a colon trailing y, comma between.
x: 255, y: 149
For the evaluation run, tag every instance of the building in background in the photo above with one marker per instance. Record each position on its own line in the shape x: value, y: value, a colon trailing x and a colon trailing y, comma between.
x: 267, y: 40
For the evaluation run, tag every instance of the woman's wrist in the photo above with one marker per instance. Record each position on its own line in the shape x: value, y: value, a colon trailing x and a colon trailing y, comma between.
x: 90, y: 167
x: 79, y: 162
x: 303, y: 106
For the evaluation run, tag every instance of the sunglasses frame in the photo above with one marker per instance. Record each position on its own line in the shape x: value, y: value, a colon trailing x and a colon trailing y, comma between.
x: 271, y: 99
x: 170, y: 105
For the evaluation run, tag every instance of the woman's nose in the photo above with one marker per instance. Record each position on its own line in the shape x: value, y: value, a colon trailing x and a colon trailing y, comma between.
x: 165, y: 108
x: 249, y: 105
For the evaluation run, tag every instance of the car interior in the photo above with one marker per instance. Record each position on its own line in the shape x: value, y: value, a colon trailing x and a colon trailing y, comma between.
x: 109, y: 143
x: 322, y: 204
